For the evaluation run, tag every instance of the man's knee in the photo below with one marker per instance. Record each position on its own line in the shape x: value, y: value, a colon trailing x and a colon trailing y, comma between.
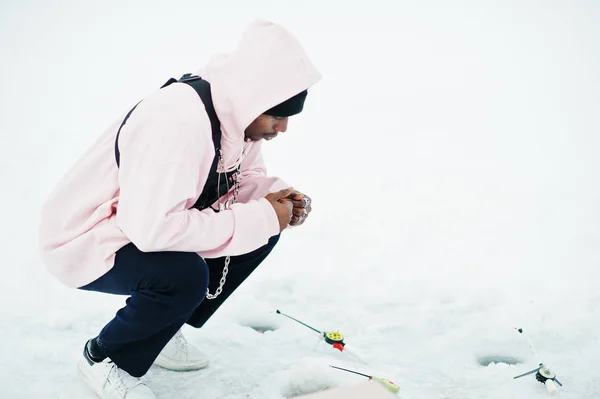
x: 264, y: 251
x: 268, y: 247
x: 185, y: 279
x: 273, y: 241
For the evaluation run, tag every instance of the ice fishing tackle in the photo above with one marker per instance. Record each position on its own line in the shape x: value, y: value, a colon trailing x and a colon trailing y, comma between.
x: 333, y: 338
x: 542, y: 373
x: 389, y: 385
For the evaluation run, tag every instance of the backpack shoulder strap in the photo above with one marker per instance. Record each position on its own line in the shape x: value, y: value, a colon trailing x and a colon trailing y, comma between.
x: 117, y: 153
x: 202, y: 88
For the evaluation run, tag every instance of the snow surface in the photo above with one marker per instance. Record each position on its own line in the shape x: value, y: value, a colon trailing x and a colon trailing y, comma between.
x: 452, y: 155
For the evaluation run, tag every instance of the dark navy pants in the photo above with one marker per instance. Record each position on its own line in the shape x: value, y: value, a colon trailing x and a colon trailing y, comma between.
x: 167, y: 290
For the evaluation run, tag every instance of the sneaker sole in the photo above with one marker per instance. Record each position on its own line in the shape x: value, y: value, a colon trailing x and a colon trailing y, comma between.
x: 169, y: 364
x: 85, y: 377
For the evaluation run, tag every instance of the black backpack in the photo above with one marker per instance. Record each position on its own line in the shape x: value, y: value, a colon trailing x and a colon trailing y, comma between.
x: 213, y: 188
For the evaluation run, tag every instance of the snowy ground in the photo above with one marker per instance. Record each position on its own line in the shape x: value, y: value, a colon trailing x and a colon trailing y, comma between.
x: 451, y: 152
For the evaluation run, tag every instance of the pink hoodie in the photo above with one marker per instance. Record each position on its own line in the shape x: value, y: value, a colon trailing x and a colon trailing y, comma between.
x: 166, y: 153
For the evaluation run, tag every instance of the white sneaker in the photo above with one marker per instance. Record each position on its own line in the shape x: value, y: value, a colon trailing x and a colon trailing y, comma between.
x: 180, y: 355
x: 111, y: 382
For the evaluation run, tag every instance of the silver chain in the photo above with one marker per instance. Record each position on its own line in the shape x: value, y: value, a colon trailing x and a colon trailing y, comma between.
x: 221, y: 283
x: 236, y: 186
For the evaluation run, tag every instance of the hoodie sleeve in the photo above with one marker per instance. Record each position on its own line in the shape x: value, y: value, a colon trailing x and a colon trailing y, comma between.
x: 166, y: 152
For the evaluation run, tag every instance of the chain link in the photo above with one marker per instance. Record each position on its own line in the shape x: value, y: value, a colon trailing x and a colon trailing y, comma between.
x: 236, y: 186
x: 221, y: 283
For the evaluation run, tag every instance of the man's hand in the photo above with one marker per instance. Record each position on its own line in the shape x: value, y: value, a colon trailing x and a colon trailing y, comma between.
x: 301, y: 207
x: 282, y: 205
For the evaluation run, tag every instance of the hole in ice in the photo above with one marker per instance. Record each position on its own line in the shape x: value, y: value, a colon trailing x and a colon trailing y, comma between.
x: 496, y: 359
x: 263, y: 328
x: 259, y: 326
x: 258, y: 321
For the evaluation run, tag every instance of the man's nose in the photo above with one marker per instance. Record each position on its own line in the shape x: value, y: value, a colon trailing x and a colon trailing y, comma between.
x: 281, y: 125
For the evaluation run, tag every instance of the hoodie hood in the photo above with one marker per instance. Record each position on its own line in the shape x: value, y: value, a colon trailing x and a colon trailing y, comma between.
x: 268, y: 67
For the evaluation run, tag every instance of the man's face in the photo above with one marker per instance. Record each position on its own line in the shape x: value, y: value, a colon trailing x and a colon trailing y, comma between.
x: 266, y: 127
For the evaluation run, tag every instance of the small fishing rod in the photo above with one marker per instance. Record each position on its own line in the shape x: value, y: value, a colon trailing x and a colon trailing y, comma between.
x: 333, y: 338
x: 542, y: 373
x: 389, y: 385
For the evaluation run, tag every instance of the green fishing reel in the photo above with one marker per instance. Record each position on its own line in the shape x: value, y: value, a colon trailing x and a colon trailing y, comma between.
x: 333, y: 337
